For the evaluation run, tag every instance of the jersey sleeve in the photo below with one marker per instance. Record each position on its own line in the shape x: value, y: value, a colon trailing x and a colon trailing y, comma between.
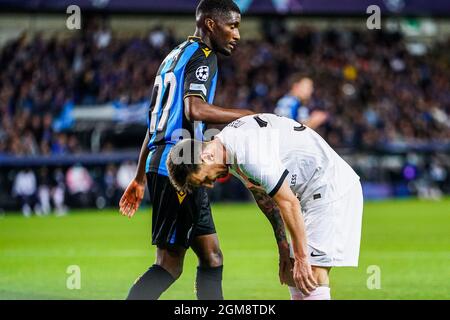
x: 269, y: 177
x: 199, y: 74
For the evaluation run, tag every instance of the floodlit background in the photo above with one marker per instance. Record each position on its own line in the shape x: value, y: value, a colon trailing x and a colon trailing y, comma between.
x: 73, y: 114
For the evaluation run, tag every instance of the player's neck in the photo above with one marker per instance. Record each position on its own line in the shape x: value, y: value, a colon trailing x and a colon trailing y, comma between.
x: 199, y: 33
x: 224, y: 153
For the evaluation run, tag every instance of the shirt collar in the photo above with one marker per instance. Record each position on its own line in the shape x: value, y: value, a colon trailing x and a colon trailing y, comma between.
x: 197, y: 39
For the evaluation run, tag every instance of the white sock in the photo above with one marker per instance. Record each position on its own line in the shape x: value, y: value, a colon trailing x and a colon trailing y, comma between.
x: 26, y: 210
x: 320, y: 293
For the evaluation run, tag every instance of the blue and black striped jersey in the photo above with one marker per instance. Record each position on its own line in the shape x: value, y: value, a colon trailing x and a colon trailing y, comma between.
x: 291, y: 107
x: 190, y: 69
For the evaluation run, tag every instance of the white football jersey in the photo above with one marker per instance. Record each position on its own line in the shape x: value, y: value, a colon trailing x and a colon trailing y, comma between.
x: 267, y: 149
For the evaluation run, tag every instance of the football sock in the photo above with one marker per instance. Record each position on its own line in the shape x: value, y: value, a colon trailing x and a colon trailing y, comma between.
x: 151, y: 284
x: 209, y: 283
x: 320, y: 293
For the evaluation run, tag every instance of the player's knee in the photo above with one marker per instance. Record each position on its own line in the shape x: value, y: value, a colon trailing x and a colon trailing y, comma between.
x: 171, y: 259
x: 213, y: 258
x: 216, y: 259
x: 176, y: 272
x: 175, y: 269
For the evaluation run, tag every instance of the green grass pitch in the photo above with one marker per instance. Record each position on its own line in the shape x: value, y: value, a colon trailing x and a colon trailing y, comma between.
x: 409, y: 240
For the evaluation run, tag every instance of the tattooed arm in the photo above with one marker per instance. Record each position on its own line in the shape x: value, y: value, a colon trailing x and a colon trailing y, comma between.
x: 270, y: 210
x: 272, y: 213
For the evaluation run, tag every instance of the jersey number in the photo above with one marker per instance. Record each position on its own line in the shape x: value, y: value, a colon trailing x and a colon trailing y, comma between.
x: 170, y: 83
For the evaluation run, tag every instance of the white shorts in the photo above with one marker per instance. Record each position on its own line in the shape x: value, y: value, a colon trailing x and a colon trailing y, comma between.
x: 333, y: 230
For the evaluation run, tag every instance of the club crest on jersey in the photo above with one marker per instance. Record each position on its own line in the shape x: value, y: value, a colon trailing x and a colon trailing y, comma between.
x: 202, y: 73
x: 181, y: 196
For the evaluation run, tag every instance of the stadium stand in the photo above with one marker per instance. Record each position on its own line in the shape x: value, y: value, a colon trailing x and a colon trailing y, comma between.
x: 384, y: 96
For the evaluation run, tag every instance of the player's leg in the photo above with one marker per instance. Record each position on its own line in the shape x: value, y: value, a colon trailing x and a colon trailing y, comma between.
x: 322, y: 292
x: 171, y: 258
x: 160, y: 276
x: 319, y: 227
x: 170, y: 232
x: 335, y: 228
x: 206, y: 246
x: 210, y: 267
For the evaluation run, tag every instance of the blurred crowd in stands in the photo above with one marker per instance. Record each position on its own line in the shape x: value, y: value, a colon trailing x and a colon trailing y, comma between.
x: 378, y: 90
x: 38, y: 76
x: 375, y: 89
x: 53, y: 190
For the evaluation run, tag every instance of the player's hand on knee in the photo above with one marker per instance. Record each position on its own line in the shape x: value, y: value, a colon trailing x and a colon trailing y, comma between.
x: 131, y: 198
x: 303, y: 276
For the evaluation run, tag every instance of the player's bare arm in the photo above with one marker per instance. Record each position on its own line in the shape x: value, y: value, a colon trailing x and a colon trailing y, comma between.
x: 196, y: 109
x: 272, y: 213
x: 317, y: 119
x: 133, y: 195
x: 290, y: 212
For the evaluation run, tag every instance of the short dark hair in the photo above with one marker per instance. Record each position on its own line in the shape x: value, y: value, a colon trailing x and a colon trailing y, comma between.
x: 217, y: 7
x: 183, y: 160
x: 297, y: 77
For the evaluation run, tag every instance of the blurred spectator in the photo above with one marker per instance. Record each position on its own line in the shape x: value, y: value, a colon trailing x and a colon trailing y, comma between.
x: 294, y: 105
x: 110, y: 189
x: 102, y: 38
x: 438, y: 174
x: 157, y: 37
x: 25, y: 187
x: 44, y: 191
x: 58, y: 192
x: 125, y: 174
x: 59, y: 145
x: 79, y: 184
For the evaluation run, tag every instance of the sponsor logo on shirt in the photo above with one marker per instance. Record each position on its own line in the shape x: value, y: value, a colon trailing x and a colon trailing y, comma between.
x: 206, y: 51
x: 236, y: 124
x: 293, y: 180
